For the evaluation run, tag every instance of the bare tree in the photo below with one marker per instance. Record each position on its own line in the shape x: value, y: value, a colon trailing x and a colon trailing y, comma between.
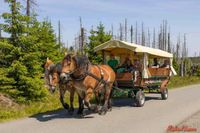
x: 125, y: 29
x: 178, y: 47
x: 81, y: 37
x: 131, y: 33
x: 59, y: 33
x: 169, y: 41
x: 143, y: 35
x: 160, y: 38
x: 165, y: 34
x: 148, y: 38
x: 13, y: 19
x: 29, y: 5
x: 136, y: 33
x: 120, y: 32
x: 154, y: 39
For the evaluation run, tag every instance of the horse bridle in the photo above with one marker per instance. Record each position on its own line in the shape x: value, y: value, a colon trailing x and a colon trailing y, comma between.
x: 80, y: 77
x: 47, y: 73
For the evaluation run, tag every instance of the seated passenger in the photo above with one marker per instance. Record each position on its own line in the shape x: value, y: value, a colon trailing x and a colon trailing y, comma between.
x: 136, y: 65
x: 127, y: 66
x: 113, y: 63
x: 166, y: 64
x: 155, y: 63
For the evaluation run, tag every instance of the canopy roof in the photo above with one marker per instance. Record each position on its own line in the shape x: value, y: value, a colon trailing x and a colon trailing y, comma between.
x: 113, y: 44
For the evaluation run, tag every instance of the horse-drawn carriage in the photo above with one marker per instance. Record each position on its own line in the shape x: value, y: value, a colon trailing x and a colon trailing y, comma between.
x: 143, y: 77
x: 131, y: 71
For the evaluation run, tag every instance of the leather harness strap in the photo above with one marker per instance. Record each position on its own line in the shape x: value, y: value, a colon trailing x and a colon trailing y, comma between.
x: 87, y: 73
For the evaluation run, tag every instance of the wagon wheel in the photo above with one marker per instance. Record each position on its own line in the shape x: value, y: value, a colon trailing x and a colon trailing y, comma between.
x: 140, y: 98
x: 164, y: 94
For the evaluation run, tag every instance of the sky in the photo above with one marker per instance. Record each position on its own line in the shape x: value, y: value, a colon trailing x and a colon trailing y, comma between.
x: 182, y: 15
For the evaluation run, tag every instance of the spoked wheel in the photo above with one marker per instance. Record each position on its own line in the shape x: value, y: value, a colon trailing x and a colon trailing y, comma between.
x: 164, y: 94
x: 140, y: 98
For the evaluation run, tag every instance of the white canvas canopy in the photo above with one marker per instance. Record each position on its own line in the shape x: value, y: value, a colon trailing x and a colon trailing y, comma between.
x: 112, y: 44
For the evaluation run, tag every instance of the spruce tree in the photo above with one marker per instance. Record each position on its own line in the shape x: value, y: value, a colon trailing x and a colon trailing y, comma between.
x: 96, y: 38
x: 24, y: 53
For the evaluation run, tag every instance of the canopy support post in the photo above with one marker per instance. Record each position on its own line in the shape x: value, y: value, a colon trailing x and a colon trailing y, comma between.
x: 145, y: 65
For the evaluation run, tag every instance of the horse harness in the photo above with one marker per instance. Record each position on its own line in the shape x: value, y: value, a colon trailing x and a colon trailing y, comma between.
x: 87, y: 73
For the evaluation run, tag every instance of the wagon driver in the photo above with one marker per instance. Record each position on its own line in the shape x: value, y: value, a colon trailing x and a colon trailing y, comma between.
x: 113, y: 63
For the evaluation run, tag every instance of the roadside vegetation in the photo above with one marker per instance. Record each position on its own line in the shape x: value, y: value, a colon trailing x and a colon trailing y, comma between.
x: 178, y: 81
x: 14, y: 110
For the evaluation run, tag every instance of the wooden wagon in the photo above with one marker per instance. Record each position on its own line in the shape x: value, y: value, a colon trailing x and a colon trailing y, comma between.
x: 147, y: 78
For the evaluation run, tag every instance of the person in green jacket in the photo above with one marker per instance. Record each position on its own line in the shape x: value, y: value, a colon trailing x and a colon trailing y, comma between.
x: 113, y: 63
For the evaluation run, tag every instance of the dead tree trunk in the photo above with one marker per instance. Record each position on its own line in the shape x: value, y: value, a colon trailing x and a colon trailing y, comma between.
x: 13, y: 20
x: 120, y: 32
x: 59, y: 33
x: 136, y: 33
x: 125, y: 29
x: 28, y: 7
x: 112, y: 31
x: 154, y: 39
x: 131, y: 34
x: 149, y: 38
x: 143, y: 35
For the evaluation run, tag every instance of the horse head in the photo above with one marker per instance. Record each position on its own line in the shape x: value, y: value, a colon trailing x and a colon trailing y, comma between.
x: 68, y: 66
x: 51, y: 75
x: 73, y: 67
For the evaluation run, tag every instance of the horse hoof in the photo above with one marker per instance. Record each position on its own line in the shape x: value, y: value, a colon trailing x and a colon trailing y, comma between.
x: 102, y: 112
x: 94, y: 108
x: 81, y: 115
x: 71, y: 112
x: 109, y: 109
x: 66, y: 106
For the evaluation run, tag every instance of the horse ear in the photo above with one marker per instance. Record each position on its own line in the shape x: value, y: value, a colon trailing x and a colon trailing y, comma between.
x: 47, y: 58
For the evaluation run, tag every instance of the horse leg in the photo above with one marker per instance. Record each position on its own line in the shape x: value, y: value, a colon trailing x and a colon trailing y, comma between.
x: 104, y: 108
x: 81, y: 105
x: 87, y: 98
x: 110, y: 101
x: 72, y: 92
x: 62, y: 93
x: 96, y: 107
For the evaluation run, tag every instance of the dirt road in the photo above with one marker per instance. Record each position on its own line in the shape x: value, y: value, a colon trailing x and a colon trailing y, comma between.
x: 154, y: 117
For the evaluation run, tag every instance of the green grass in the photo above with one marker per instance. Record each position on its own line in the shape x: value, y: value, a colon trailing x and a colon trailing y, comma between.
x: 52, y: 101
x: 177, y: 81
x: 24, y: 110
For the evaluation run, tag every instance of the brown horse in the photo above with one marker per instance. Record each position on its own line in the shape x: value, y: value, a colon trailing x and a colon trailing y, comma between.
x: 52, y: 78
x: 89, y: 79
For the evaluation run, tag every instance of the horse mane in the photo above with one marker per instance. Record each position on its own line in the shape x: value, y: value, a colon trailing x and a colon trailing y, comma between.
x: 68, y: 57
x: 59, y: 68
x: 81, y: 61
x: 56, y: 68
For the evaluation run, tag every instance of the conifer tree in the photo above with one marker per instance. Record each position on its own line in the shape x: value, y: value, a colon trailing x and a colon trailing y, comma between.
x: 96, y: 38
x: 23, y: 54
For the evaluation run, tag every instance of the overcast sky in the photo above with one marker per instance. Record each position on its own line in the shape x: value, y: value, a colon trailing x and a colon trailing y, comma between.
x: 182, y: 15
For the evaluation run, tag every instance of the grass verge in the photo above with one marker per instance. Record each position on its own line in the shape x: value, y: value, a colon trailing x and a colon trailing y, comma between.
x: 24, y: 110
x: 177, y: 81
